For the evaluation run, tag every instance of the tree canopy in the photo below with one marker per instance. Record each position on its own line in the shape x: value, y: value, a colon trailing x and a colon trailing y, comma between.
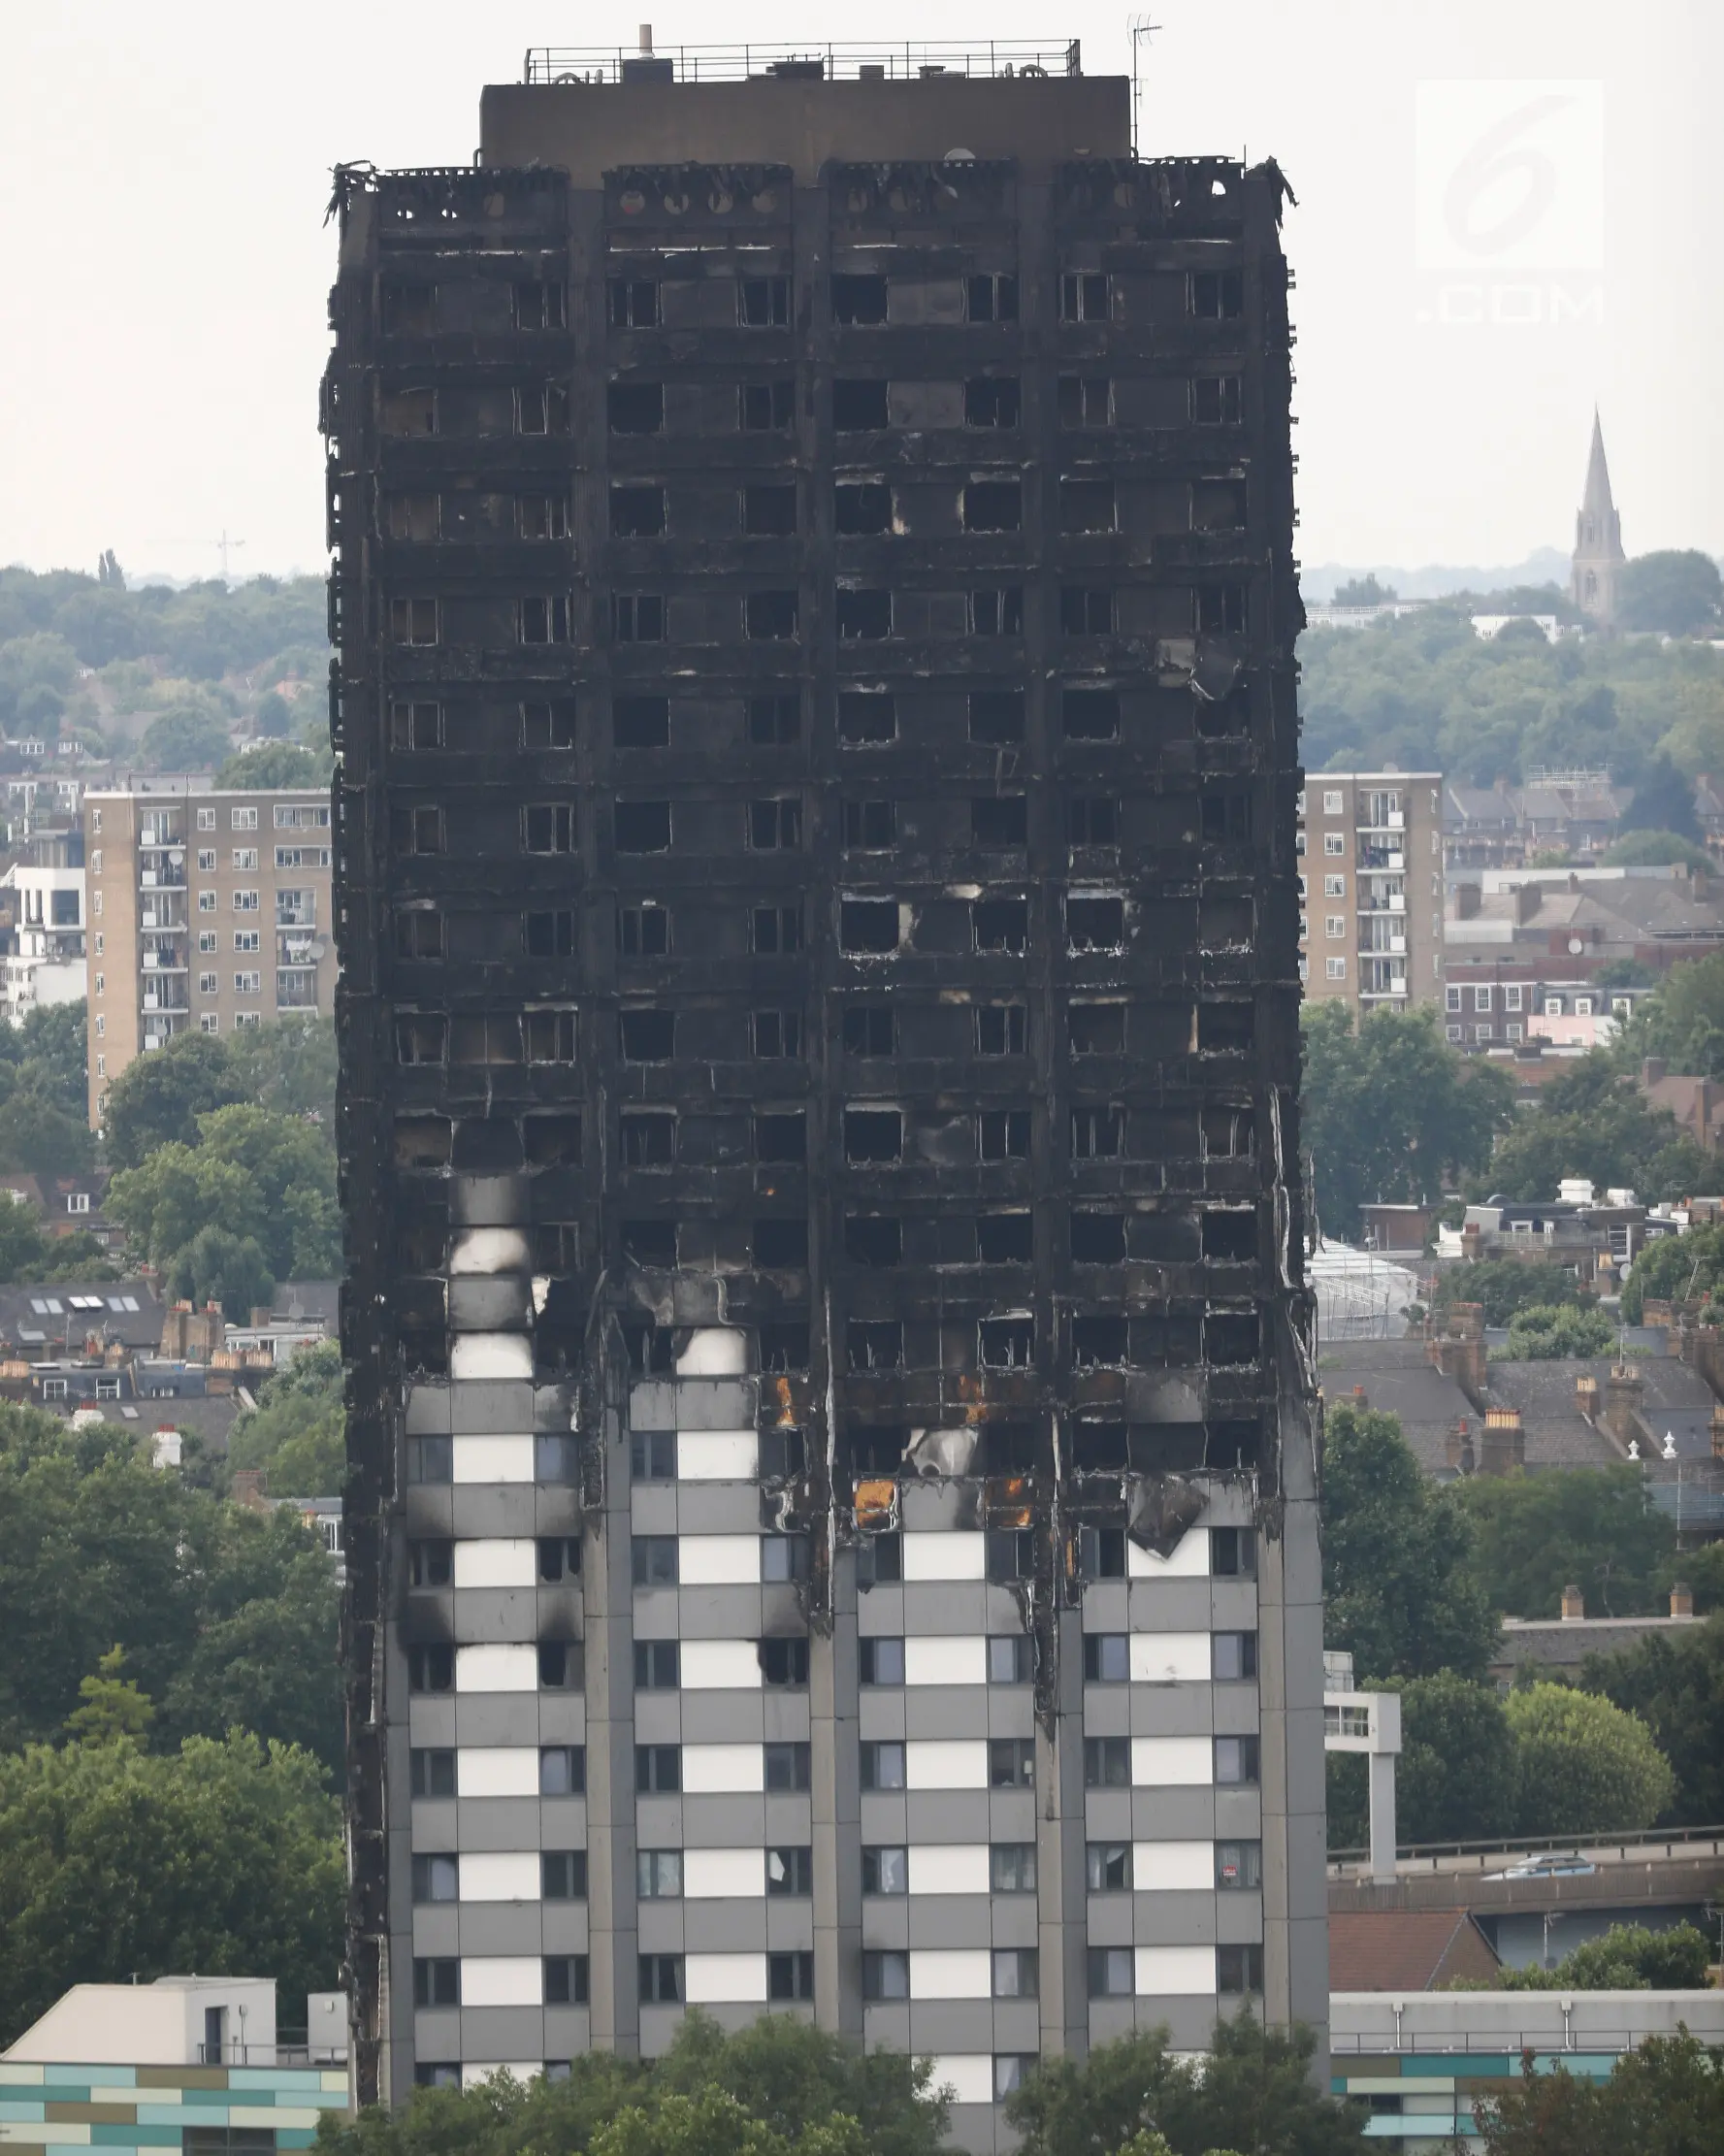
x: 1426, y: 694
x: 298, y: 1432
x: 1593, y: 1121
x: 1389, y: 1112
x: 222, y: 1613
x: 1663, y: 2098
x: 1682, y: 1021
x: 224, y: 1856
x: 1503, y: 1286
x: 1675, y: 1268
x: 1583, y: 1765
x: 1543, y: 1334
x: 156, y: 1100
x: 776, y: 2087
x: 1677, y: 591
x: 1253, y: 2091
x: 1675, y: 1682
x: 275, y: 763
x: 1532, y: 1535
x: 1628, y: 1957
x: 1398, y: 1588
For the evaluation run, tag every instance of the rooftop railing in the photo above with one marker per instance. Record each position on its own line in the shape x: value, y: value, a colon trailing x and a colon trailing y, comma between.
x: 741, y: 63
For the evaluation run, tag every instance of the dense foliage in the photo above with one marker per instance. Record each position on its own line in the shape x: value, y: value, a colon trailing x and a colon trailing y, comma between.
x: 1539, y: 1333
x: 1665, y: 2099
x: 1683, y: 1021
x: 1628, y: 1957
x: 224, y: 1615
x: 119, y: 1864
x: 1444, y: 1718
x: 1254, y: 2092
x: 44, y: 1119
x: 1426, y: 694
x: 1389, y: 1112
x: 1582, y: 1764
x: 156, y: 1100
x: 298, y: 1432
x: 777, y: 2087
x: 1597, y: 1527
x: 276, y: 764
x: 1503, y: 1286
x: 1593, y: 1121
x: 1675, y: 1682
x: 1398, y: 1590
x: 1675, y: 1268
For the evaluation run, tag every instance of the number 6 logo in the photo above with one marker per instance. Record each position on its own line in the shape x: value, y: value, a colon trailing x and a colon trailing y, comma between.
x: 1510, y: 176
x: 1505, y: 184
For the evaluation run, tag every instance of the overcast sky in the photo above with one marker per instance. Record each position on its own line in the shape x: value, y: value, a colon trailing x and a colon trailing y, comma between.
x: 1508, y: 210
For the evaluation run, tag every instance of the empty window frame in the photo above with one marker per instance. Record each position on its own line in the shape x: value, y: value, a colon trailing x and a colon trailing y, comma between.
x: 992, y: 401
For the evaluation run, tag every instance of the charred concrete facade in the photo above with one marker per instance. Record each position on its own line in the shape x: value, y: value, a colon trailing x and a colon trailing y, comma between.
x: 832, y: 1526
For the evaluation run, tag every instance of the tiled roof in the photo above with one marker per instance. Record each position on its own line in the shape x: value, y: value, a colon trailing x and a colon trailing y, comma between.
x: 1406, y: 1949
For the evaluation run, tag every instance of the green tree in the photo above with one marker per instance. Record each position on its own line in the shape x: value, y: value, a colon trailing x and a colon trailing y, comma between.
x: 1592, y: 1122
x: 1254, y: 2091
x: 1677, y: 1268
x: 221, y: 1267
x: 1503, y: 1286
x: 1649, y: 849
x: 1446, y: 1720
x: 113, y: 1704
x: 242, y: 1867
x: 1675, y: 1682
x: 289, y: 1066
x: 23, y: 1248
x: 273, y: 719
x: 1683, y: 1021
x: 1544, y: 1335
x: 1628, y: 1957
x: 1364, y: 591
x: 1389, y: 1112
x: 1585, y: 1766
x: 254, y: 1176
x: 297, y: 1433
x: 274, y: 763
x: 1398, y: 1590
x: 1663, y: 801
x: 776, y: 2087
x: 1595, y: 1526
x: 1677, y: 591
x: 37, y: 1138
x: 1663, y: 2098
x: 98, y: 1549
x: 156, y: 1100
x: 184, y: 739
x: 53, y: 1049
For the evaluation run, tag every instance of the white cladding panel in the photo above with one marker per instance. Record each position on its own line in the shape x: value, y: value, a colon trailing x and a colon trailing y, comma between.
x: 1173, y: 1867
x: 720, y: 1666
x: 500, y: 1980
x: 949, y: 1867
x: 1158, y: 1762
x: 956, y: 1554
x: 1163, y: 1971
x: 496, y: 1771
x: 718, y: 1560
x: 713, y: 1770
x: 951, y: 1973
x: 1188, y: 1558
x: 717, y: 1455
x: 946, y: 1763
x: 724, y: 1874
x: 493, y: 1459
x: 969, y: 2074
x: 497, y: 1669
x: 499, y: 1876
x: 953, y: 1658
x: 724, y: 1979
x: 490, y: 1355
x: 1170, y: 1658
x: 496, y: 1564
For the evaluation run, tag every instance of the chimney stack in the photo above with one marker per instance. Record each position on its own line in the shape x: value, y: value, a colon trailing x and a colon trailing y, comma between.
x: 1586, y: 1395
x: 1622, y: 1400
x: 1503, y: 1451
x: 1573, y: 1605
x: 1682, y: 1600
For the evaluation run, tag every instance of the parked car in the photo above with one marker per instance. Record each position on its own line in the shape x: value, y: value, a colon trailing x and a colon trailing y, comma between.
x: 1553, y: 1864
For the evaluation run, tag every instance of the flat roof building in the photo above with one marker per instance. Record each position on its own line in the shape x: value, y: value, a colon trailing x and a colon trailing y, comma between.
x: 831, y: 1526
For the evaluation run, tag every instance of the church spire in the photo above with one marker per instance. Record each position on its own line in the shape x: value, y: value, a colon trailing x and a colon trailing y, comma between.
x: 1598, y: 541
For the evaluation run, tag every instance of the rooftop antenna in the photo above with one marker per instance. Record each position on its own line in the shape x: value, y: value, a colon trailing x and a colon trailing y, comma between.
x: 224, y: 546
x: 1141, y: 29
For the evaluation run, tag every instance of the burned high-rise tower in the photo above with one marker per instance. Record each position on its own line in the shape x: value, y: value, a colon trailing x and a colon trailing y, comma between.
x: 831, y: 1517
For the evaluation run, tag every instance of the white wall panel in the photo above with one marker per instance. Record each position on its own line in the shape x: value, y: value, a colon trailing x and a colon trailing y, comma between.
x: 1187, y: 1559
x: 717, y: 1455
x: 1164, y: 1971
x: 496, y: 1564
x: 967, y: 2075
x: 497, y: 1771
x: 724, y: 1979
x: 1160, y: 1762
x: 1170, y: 1867
x: 949, y: 1867
x: 497, y: 1669
x: 493, y: 1459
x: 719, y: 1560
x: 709, y: 1770
x: 951, y: 1973
x: 956, y: 1554
x: 1170, y: 1658
x: 502, y: 1980
x: 499, y: 1876
x: 720, y: 1665
x: 724, y: 1874
x: 489, y: 1357
x: 955, y: 1659
x: 946, y: 1763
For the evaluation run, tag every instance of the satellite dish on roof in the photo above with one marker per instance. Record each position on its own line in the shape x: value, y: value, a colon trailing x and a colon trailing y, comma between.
x: 959, y: 157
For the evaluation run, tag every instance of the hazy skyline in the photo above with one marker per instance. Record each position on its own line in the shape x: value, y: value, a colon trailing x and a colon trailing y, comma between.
x: 1504, y: 217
